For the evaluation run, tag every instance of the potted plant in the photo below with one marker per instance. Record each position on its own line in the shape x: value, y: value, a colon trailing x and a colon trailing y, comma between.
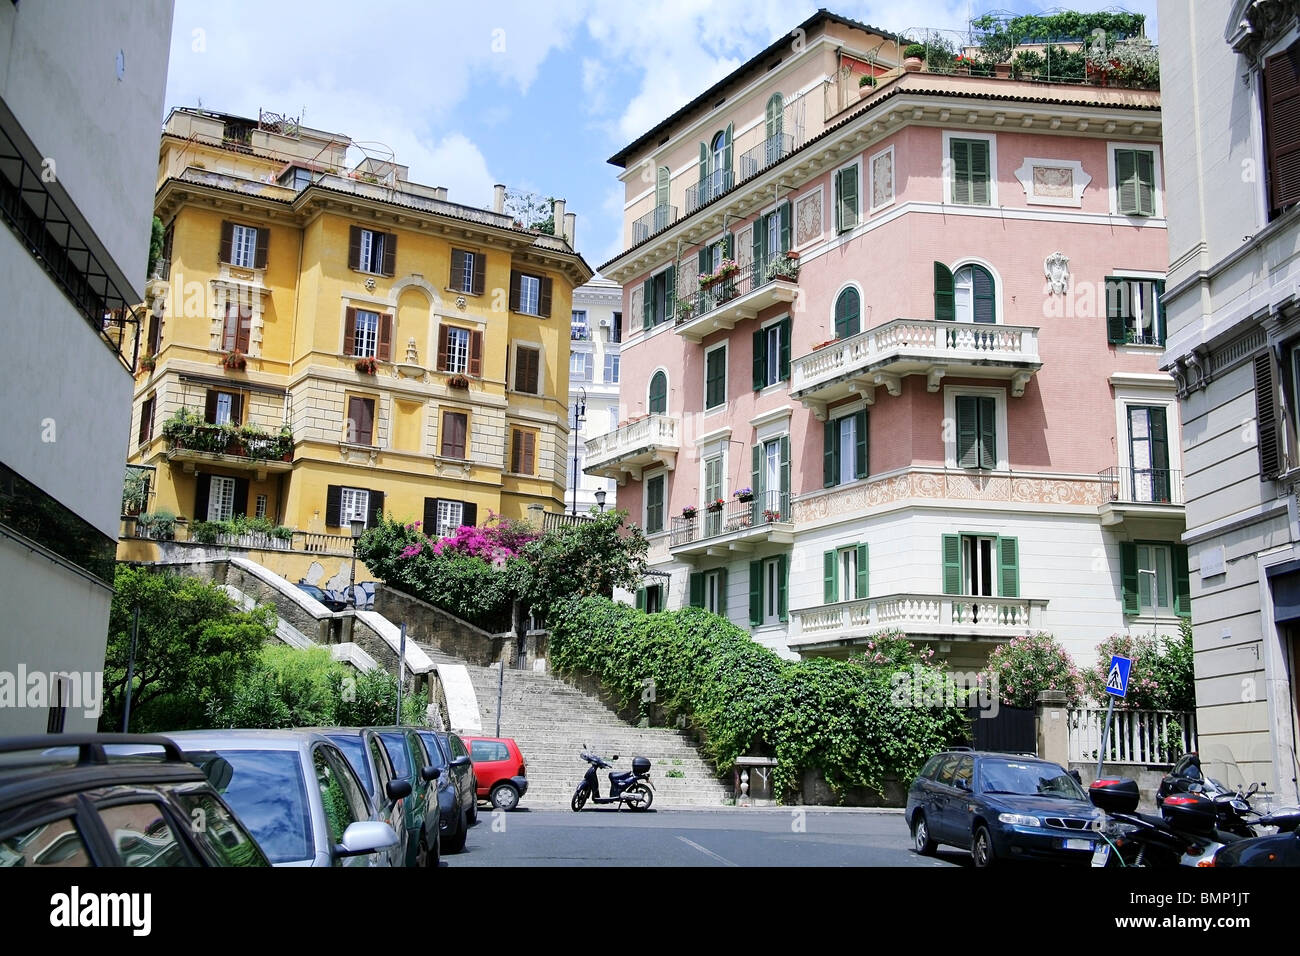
x: 458, y: 381
x: 716, y: 506
x: 688, y: 511
x: 771, y: 515
x: 783, y: 267
x: 367, y: 366
x: 745, y: 494
x: 148, y: 363
x: 913, y: 57
x: 286, y: 443
x: 235, y: 361
x: 866, y: 81
x: 685, y: 307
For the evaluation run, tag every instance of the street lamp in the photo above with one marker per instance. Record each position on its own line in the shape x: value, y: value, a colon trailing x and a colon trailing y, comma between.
x: 358, y: 525
x: 579, y: 410
x: 600, y: 500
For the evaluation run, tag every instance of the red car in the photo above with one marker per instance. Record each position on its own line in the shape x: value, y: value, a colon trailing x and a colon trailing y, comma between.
x: 500, y: 769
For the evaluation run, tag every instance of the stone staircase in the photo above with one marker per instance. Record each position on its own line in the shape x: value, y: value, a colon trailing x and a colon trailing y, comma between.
x: 551, y: 720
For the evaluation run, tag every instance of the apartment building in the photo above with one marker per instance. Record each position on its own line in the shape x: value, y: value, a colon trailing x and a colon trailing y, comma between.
x: 596, y: 335
x: 893, y: 354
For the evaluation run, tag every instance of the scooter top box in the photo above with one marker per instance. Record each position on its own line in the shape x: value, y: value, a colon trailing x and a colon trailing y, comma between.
x: 1114, y: 796
x: 640, y: 765
x: 1190, y: 812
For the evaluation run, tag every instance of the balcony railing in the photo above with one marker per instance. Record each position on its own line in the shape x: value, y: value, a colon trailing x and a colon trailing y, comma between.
x: 708, y: 189
x: 655, y: 221
x: 764, y: 510
x: 1143, y: 486
x: 767, y: 153
x: 555, y: 521
x: 713, y: 306
x: 633, y: 446
x: 222, y: 440
x: 920, y: 614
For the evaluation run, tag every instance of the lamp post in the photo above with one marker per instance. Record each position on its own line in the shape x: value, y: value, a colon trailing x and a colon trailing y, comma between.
x: 579, y: 410
x: 600, y: 500
x: 358, y: 525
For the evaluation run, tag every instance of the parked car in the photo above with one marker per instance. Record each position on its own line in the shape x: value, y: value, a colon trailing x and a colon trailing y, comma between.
x: 501, y: 770
x: 113, y: 800
x: 389, y: 792
x: 1002, y: 807
x: 411, y: 762
x: 331, y: 599
x: 457, y: 791
x: 296, y: 793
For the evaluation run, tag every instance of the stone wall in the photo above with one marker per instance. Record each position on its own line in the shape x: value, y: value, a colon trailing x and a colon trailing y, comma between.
x: 433, y: 627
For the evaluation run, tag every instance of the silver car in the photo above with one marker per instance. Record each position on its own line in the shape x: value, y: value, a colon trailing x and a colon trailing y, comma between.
x: 295, y: 792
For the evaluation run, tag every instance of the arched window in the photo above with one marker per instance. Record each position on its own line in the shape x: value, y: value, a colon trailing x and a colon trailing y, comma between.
x: 848, y: 309
x: 719, y: 151
x: 775, y: 116
x: 659, y: 394
x: 967, y: 295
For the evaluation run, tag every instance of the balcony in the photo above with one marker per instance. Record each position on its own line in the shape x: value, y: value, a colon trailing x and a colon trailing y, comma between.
x: 193, y: 443
x: 736, y: 526
x: 920, y: 615
x: 767, y: 153
x: 627, y: 451
x: 1130, y: 493
x: 734, y: 298
x: 653, y: 222
x: 708, y: 189
x: 887, y: 353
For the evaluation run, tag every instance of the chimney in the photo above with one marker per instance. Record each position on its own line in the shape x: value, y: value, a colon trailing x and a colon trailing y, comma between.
x: 498, y: 198
x: 557, y: 215
x: 570, y: 224
x: 440, y: 192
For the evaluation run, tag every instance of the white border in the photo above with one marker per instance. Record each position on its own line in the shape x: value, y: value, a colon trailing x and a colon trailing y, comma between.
x: 893, y: 184
x: 667, y: 391
x: 999, y: 395
x: 998, y: 312
x: 794, y: 219
x: 1157, y: 168
x: 1026, y: 176
x: 946, y: 164
x: 835, y: 301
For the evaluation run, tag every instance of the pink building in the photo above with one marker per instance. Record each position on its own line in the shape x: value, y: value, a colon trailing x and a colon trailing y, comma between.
x: 892, y: 355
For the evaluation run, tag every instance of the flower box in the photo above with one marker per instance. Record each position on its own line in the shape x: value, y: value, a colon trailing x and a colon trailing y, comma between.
x: 688, y: 512
x: 458, y: 381
x: 235, y: 361
x: 772, y: 516
x: 148, y: 363
x: 367, y: 366
x: 716, y: 506
x: 744, y: 494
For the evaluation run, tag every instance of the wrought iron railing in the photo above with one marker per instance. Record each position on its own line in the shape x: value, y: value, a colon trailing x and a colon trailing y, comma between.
x: 763, y: 509
x: 1161, y: 486
x: 742, y: 281
x: 708, y: 189
x: 655, y: 221
x: 767, y: 153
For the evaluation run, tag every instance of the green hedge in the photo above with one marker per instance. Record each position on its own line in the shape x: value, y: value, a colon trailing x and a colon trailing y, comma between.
x: 844, y: 718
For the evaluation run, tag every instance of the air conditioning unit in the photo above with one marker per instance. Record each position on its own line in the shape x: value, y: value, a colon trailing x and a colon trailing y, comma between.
x: 604, y: 323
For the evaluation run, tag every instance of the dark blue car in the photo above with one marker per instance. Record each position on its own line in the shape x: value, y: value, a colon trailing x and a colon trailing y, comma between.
x: 1002, y: 807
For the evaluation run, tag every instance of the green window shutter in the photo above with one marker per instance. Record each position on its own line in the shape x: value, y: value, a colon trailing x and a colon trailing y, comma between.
x: 774, y: 115
x: 662, y: 179
x: 1159, y: 432
x: 704, y: 169
x: 785, y: 470
x: 967, y: 432
x: 952, y: 564
x: 647, y: 303
x: 829, y: 473
x: 670, y: 291
x: 1128, y: 577
x: 640, y: 599
x: 755, y: 593
x: 1182, y: 582
x: 1126, y: 182
x: 659, y: 394
x: 784, y: 213
x: 959, y: 151
x: 704, y: 261
x: 980, y: 180
x: 984, y: 298
x: 860, y: 442
x: 726, y: 161
x: 945, y: 302
x: 846, y: 314
x: 697, y: 589
x: 1146, y: 182
x: 846, y: 209
x: 782, y: 590
x: 722, y: 592
x: 715, y: 385
x: 864, y: 574
x: 654, y: 517
x: 988, y: 458
x: 1115, y: 332
x: 837, y: 186
x: 756, y: 476
x: 783, y: 349
x: 760, y: 359
x: 759, y: 244
x: 829, y: 582
x: 1160, y: 310
x: 1008, y: 567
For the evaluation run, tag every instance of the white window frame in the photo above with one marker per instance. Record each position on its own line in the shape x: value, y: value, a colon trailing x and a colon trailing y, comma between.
x: 667, y: 390
x: 1153, y: 396
x: 1113, y: 185
x: 993, y: 581
x: 353, y: 503
x: 530, y: 294
x: 771, y: 591
x: 221, y: 503
x: 846, y: 572
x: 999, y: 396
x: 365, y: 341
x: 458, y: 354
x: 578, y: 320
x: 835, y: 195
x: 1257, y: 132
x: 722, y: 406
x: 469, y: 260
x: 372, y: 248
x: 998, y: 312
x: 243, y: 246
x: 260, y: 510
x: 773, y: 362
x: 893, y: 184
x: 946, y: 162
x: 224, y: 406
x: 448, y: 515
x: 847, y: 461
x: 1139, y: 275
x: 715, y: 598
x: 835, y: 299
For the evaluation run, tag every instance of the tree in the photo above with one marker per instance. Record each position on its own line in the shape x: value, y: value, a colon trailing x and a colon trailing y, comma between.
x: 531, y: 211
x: 585, y: 559
x: 192, y: 648
x: 156, y: 234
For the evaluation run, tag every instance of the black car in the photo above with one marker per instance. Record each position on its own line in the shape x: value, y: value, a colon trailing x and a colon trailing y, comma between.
x: 457, y: 797
x: 76, y: 800
x: 328, y: 598
x: 1002, y: 807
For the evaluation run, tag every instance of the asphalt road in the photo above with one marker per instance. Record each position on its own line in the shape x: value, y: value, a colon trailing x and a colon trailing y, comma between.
x: 722, y: 838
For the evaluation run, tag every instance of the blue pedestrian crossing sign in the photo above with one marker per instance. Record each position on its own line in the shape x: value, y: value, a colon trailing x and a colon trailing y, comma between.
x: 1117, y: 675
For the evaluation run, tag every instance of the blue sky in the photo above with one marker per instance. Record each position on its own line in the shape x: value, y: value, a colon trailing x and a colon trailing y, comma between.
x: 536, y: 95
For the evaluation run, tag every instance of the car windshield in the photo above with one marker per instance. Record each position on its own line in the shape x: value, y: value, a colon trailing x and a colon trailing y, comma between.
x: 353, y: 748
x: 265, y: 788
x: 395, y: 744
x: 1027, y: 778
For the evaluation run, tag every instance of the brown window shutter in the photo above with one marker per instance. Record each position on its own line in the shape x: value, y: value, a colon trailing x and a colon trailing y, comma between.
x: 1282, y: 122
x: 442, y: 348
x: 544, y: 299
x: 240, y: 505
x: 514, y: 291
x: 236, y: 409
x: 202, y: 488
x: 349, y: 331
x: 530, y: 453
x: 476, y: 354
x: 430, y: 516
x: 390, y: 253
x: 146, y: 421
x: 333, y: 505
x: 230, y: 329
x: 227, y: 237
x: 383, y: 351
x: 210, y: 407
x: 457, y: 270
x: 263, y: 244
x: 1270, y: 450
x: 516, y: 449
x: 480, y: 272
x: 361, y: 415
x: 354, y: 247
x: 244, y: 336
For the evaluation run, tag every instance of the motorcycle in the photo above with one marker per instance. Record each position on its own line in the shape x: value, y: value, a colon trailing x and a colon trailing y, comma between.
x: 1186, y: 833
x: 630, y: 787
x: 1281, y: 848
x: 1187, y: 776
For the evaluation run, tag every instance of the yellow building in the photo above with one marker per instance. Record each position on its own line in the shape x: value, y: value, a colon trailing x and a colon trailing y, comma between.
x: 328, y: 343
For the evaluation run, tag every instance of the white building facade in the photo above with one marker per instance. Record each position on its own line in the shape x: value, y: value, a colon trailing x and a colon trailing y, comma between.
x: 596, y: 333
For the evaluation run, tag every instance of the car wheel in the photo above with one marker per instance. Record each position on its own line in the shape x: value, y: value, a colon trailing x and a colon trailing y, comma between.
x: 982, y: 848
x: 504, y: 796
x: 921, y: 838
x: 456, y: 842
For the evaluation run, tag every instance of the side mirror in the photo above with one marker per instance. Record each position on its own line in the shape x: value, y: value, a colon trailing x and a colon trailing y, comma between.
x: 397, y: 789
x: 430, y: 774
x: 1253, y: 788
x: 613, y: 758
x: 366, y: 836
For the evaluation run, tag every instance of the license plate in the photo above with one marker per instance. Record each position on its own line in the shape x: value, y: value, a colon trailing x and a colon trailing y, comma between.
x: 1101, y: 854
x: 1076, y: 844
